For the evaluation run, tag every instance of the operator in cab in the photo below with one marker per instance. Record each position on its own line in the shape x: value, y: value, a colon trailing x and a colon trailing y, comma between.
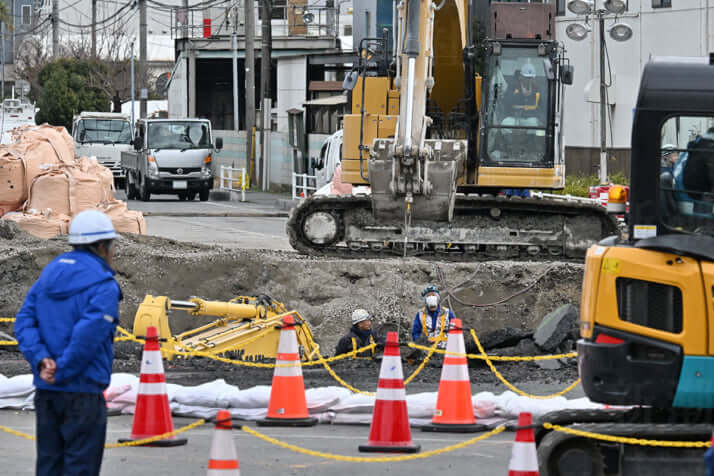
x: 360, y: 335
x: 525, y: 95
x: 432, y: 322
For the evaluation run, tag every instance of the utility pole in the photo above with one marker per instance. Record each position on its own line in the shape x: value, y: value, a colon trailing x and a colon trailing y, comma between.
x: 94, y: 29
x: 133, y: 88
x: 184, y: 27
x: 603, y: 105
x: 265, y: 93
x: 250, y: 85
x: 55, y: 29
x: 143, y: 91
x: 234, y: 41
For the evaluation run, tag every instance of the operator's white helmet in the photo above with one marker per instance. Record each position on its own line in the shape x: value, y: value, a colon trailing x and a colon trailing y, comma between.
x: 90, y: 226
x: 528, y: 71
x: 359, y: 315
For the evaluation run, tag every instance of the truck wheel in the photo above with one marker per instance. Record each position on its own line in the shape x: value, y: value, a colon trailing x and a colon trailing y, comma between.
x: 203, y: 194
x: 130, y: 189
x: 183, y: 196
x: 144, y: 193
x: 120, y: 183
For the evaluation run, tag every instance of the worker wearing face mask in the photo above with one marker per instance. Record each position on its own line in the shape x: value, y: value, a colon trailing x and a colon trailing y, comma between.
x: 431, y: 323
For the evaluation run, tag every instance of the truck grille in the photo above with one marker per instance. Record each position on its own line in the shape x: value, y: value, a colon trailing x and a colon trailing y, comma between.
x: 183, y: 170
x: 649, y: 304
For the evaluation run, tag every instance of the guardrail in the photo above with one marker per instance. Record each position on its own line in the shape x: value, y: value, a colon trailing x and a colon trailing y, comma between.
x: 304, y: 185
x: 227, y: 180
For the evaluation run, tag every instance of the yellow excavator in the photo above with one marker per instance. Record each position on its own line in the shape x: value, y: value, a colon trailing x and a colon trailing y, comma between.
x: 647, y: 306
x: 437, y: 143
x: 248, y: 327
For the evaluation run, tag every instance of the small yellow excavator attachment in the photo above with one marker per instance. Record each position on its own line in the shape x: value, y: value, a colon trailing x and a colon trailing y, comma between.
x: 249, y: 326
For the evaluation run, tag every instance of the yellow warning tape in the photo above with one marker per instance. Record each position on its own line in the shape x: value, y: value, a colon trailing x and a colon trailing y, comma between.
x: 144, y: 441
x: 504, y: 358
x: 8, y: 342
x: 511, y: 386
x: 7, y: 319
x: 366, y: 459
x: 628, y: 440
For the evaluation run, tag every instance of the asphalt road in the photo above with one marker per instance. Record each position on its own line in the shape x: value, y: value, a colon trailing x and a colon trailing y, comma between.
x: 254, y: 224
x: 257, y: 457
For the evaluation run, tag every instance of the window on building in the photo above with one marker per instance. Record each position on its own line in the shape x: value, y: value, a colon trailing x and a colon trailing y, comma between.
x: 26, y: 17
x: 348, y: 30
x: 277, y: 12
x: 661, y: 3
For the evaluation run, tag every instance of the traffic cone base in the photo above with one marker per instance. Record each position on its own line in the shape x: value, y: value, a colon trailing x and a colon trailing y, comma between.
x: 288, y: 405
x: 454, y: 412
x: 152, y: 415
x: 524, y: 458
x: 223, y: 459
x: 390, y: 431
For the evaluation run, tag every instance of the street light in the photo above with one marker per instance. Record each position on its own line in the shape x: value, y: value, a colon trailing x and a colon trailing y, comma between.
x: 619, y: 32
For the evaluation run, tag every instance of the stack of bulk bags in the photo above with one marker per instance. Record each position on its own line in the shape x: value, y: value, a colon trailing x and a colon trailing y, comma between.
x: 51, y: 186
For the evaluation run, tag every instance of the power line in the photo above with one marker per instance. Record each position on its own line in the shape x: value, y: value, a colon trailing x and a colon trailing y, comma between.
x: 130, y: 3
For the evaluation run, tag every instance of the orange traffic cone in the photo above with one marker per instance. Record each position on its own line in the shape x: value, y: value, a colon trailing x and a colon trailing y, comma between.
x: 224, y: 461
x: 288, y: 406
x: 454, y: 410
x: 390, y: 432
x: 524, y: 459
x: 152, y: 415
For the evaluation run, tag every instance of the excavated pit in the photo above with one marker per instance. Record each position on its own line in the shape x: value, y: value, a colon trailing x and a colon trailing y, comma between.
x: 324, y: 290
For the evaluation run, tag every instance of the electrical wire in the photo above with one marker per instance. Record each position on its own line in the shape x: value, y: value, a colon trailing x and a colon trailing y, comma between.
x: 130, y: 3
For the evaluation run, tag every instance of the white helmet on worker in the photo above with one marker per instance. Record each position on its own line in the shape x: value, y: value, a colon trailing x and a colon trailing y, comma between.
x: 528, y: 71
x: 359, y: 315
x: 89, y: 227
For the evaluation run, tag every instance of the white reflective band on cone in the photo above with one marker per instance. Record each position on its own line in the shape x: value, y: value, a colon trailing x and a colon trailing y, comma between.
x: 222, y: 447
x: 391, y: 367
x: 288, y: 342
x: 523, y: 457
x: 158, y: 388
x: 391, y: 394
x: 151, y: 362
x: 294, y: 369
x: 457, y: 373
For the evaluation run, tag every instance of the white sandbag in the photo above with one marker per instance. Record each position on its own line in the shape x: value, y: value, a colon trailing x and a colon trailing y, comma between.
x: 254, y: 397
x: 421, y: 405
x: 214, y: 394
x: 320, y: 399
x: 356, y: 403
x: 17, y: 386
x: 250, y: 414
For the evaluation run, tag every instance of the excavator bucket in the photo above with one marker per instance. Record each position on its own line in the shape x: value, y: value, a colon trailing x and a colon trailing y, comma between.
x: 247, y: 327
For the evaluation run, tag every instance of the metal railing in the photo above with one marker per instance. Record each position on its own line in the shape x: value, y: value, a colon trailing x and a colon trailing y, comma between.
x: 304, y: 184
x: 228, y: 180
x: 287, y: 21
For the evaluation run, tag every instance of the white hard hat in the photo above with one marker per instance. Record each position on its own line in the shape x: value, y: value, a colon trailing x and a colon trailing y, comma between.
x: 90, y: 226
x: 528, y: 71
x: 359, y: 315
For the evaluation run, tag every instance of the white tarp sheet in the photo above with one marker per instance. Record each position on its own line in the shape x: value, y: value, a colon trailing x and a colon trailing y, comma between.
x: 329, y: 404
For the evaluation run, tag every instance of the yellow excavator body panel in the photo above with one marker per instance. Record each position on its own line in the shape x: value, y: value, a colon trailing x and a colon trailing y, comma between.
x: 246, y: 326
x: 611, y: 268
x: 520, y: 177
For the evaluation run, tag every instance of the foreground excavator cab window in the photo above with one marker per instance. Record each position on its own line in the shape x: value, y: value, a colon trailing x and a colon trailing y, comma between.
x: 516, y: 113
x: 687, y: 174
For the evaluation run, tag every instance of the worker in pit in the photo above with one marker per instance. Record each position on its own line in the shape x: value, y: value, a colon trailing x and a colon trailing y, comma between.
x: 360, y: 335
x: 431, y: 324
x: 65, y: 329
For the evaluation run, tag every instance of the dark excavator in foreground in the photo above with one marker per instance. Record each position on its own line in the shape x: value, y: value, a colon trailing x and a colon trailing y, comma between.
x: 436, y: 142
x: 647, y: 306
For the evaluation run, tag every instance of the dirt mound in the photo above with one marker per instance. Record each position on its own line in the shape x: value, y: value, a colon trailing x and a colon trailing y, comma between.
x: 324, y: 290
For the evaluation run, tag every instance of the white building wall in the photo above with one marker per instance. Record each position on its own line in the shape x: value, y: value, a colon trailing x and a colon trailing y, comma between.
x: 177, y: 96
x: 292, y: 87
x: 686, y: 29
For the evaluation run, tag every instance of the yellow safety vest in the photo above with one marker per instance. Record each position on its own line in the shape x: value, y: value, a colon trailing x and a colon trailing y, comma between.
x: 436, y: 334
x: 354, y: 347
x: 527, y: 107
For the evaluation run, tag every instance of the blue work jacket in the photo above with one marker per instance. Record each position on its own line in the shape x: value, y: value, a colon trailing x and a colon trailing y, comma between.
x: 70, y: 315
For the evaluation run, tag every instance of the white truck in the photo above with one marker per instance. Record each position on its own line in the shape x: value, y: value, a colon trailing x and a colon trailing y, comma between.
x: 104, y: 135
x: 170, y: 156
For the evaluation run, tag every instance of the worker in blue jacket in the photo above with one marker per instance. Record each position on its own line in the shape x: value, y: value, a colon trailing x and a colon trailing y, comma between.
x: 65, y: 329
x: 431, y: 323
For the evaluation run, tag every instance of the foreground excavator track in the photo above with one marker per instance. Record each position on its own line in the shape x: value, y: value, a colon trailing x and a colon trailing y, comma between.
x: 483, y: 227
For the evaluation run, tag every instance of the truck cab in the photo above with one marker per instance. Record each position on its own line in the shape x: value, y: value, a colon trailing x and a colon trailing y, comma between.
x: 171, y: 156
x: 104, y: 135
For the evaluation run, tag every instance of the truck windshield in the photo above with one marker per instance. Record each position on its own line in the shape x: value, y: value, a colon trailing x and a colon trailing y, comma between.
x: 179, y: 135
x: 103, y: 131
x: 686, y: 178
x: 516, y: 108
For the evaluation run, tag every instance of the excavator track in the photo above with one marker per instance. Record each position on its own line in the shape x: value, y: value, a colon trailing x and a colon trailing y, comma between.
x: 483, y: 227
x: 564, y: 454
